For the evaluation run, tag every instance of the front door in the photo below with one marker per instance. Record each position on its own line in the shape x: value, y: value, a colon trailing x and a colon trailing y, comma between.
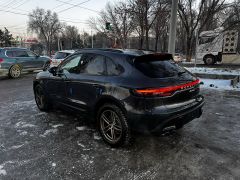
x: 84, y: 87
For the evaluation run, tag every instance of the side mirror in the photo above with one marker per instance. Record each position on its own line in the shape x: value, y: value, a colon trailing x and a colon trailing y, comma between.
x: 53, y: 70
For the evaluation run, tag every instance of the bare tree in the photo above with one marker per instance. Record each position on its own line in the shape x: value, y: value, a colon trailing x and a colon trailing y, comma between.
x: 160, y: 26
x: 191, y: 14
x: 46, y: 24
x: 71, y: 34
x: 121, y: 22
x: 145, y: 13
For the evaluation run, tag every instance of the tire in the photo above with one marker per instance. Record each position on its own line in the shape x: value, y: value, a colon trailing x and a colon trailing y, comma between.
x: 209, y: 60
x: 46, y: 66
x: 15, y: 71
x: 41, y: 98
x: 113, y: 126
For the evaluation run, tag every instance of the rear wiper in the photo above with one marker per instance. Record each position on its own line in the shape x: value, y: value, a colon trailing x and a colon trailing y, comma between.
x: 181, y: 72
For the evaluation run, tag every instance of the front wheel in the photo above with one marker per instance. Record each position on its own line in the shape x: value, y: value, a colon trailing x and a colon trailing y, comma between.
x: 15, y: 71
x: 41, y: 99
x: 113, y: 125
x: 209, y: 60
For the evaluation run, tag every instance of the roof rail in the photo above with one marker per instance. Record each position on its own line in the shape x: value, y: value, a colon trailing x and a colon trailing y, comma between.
x: 103, y: 49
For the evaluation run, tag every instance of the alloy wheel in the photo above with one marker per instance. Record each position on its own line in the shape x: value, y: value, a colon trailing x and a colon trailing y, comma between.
x: 111, y: 126
x: 39, y: 96
x: 15, y: 72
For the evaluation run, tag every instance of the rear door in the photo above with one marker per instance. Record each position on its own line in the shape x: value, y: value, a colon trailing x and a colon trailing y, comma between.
x: 85, y: 86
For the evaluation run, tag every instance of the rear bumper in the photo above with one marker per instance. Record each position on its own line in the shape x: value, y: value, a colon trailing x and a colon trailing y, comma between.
x: 158, y: 119
x: 3, y: 72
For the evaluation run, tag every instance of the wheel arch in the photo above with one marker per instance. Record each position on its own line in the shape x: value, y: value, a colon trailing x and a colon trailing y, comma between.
x: 111, y: 100
x: 214, y: 57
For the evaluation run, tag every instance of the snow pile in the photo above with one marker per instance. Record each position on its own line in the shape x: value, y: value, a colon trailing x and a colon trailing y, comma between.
x: 218, y: 84
x: 217, y: 71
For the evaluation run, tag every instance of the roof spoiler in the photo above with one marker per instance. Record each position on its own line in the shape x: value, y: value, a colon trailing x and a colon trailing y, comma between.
x: 154, y: 57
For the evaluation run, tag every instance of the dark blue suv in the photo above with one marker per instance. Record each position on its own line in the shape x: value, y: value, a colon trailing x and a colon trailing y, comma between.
x: 122, y: 91
x: 15, y: 60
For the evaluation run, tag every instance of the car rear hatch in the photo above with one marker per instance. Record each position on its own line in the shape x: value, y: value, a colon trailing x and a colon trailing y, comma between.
x: 166, y: 82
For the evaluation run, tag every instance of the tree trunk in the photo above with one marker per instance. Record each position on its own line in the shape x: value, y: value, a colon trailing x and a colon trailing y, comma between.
x: 189, y: 50
x: 156, y: 42
x: 147, y: 40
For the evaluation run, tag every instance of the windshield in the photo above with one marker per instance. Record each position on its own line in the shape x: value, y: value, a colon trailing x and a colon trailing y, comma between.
x: 204, y: 40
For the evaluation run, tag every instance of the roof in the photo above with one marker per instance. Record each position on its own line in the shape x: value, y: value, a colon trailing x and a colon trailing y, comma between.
x: 13, y: 48
x: 134, y: 52
x: 67, y: 51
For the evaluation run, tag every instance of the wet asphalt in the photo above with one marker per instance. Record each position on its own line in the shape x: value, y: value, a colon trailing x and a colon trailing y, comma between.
x: 59, y: 145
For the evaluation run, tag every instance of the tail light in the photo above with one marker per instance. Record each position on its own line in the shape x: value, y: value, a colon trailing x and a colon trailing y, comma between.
x: 1, y: 60
x: 165, y: 91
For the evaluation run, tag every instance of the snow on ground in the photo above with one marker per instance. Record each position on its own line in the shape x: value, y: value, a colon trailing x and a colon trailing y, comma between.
x: 2, y: 171
x: 49, y: 131
x: 218, y: 84
x: 82, y: 128
x: 217, y: 71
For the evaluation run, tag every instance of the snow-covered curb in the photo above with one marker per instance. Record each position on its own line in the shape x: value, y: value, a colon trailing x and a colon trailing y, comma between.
x: 217, y: 71
x: 219, y: 84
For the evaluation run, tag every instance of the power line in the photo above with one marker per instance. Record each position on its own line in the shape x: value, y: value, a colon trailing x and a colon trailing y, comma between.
x: 61, y: 5
x: 73, y: 6
x: 77, y: 22
x: 21, y: 4
x: 78, y: 6
x: 14, y: 12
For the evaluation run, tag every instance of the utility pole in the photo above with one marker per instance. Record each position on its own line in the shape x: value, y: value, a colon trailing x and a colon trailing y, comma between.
x: 92, y: 37
x: 173, y: 26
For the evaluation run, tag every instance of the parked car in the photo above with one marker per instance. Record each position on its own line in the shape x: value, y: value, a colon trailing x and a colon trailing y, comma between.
x: 15, y: 60
x: 122, y: 92
x: 60, y: 56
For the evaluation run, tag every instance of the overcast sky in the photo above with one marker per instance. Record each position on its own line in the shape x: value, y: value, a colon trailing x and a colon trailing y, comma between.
x: 17, y: 23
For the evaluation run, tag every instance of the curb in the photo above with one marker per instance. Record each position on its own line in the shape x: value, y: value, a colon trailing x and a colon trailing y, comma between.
x: 235, y: 79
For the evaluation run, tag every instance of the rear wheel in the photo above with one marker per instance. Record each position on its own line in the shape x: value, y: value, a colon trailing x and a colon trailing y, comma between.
x: 209, y: 60
x: 41, y: 99
x: 15, y: 71
x: 113, y: 125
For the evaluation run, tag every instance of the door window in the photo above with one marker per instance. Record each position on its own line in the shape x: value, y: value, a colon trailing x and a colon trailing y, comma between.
x: 94, y: 65
x: 21, y: 54
x: 31, y: 54
x: 112, y: 68
x: 10, y: 53
x: 72, y: 65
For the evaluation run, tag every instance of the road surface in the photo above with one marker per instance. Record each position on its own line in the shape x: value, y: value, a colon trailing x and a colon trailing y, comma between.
x: 57, y: 145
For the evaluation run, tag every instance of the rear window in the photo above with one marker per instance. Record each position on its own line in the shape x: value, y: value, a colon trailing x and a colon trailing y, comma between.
x: 158, y: 68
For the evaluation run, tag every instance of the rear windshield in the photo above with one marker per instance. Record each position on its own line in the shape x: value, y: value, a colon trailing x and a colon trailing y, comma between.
x: 158, y: 68
x: 60, y: 55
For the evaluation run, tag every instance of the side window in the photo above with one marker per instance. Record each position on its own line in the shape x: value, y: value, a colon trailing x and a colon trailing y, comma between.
x: 31, y: 54
x: 21, y: 54
x: 112, y: 68
x: 95, y: 65
x: 72, y: 65
x: 10, y: 54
